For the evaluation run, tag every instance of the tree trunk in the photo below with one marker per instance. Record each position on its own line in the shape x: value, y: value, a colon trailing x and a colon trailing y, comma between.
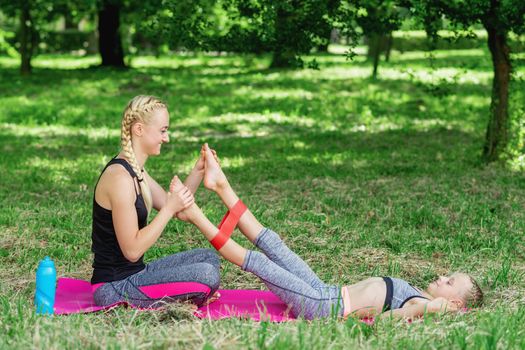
x: 69, y: 22
x: 388, y: 46
x: 283, y: 59
x: 26, y: 40
x: 374, y: 51
x: 498, y: 127
x: 371, y: 42
x: 283, y: 56
x: 109, y: 41
x: 328, y: 37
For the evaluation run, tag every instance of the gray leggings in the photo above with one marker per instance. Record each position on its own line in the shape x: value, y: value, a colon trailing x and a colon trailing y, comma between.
x: 291, y: 279
x: 191, y: 275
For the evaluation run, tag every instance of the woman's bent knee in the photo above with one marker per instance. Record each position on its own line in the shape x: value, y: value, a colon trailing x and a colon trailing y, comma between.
x: 105, y: 295
x: 207, y: 274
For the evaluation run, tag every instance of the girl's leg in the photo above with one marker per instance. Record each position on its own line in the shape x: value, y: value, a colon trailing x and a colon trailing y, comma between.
x: 268, y: 241
x: 306, y: 300
x: 278, y: 252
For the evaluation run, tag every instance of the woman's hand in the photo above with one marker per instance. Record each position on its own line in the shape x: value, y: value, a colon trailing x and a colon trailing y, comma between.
x: 179, y: 196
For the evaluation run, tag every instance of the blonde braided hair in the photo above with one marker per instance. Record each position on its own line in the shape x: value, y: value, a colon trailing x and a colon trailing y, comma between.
x: 139, y: 109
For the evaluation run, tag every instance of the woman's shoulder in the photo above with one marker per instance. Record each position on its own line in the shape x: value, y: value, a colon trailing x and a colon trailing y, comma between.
x: 115, y: 173
x: 115, y: 181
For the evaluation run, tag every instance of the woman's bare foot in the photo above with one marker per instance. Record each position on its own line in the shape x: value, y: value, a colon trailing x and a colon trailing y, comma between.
x: 214, y: 178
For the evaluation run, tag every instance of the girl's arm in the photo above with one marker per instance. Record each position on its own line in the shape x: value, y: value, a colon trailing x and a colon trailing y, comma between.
x: 421, y: 307
x: 132, y: 241
x: 408, y: 311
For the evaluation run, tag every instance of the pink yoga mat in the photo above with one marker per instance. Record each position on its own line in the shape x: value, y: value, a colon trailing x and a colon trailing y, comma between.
x: 75, y: 296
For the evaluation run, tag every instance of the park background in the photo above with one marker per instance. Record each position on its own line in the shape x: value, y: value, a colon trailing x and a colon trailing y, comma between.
x: 378, y: 137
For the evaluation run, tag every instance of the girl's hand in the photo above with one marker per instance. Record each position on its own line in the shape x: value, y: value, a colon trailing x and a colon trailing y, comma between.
x: 441, y: 304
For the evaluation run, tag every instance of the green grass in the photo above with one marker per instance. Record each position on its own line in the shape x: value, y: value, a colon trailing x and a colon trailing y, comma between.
x: 361, y: 177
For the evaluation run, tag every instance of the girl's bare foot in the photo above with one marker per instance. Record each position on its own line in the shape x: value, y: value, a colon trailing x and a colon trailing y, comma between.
x: 214, y: 178
x: 176, y: 185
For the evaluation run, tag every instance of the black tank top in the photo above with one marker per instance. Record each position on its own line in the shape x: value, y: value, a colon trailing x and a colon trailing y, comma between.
x: 109, y: 264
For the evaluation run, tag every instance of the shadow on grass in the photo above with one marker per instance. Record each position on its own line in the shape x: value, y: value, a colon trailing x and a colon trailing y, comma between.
x: 47, y: 161
x: 82, y: 98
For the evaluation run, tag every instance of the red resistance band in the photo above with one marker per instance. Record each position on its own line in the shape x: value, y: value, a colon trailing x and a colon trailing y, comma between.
x: 228, y: 224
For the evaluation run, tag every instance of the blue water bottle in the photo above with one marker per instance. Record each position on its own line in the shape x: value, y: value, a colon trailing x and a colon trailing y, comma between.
x: 46, y: 276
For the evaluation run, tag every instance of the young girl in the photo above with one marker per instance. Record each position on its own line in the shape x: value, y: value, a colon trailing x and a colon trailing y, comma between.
x: 124, y: 195
x: 289, y: 277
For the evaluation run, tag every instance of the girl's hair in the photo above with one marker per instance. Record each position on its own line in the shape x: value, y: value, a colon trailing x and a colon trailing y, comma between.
x: 139, y: 109
x: 474, y: 297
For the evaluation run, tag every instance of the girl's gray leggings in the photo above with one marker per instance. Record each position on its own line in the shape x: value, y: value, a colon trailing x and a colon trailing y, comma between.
x: 191, y: 275
x: 291, y: 279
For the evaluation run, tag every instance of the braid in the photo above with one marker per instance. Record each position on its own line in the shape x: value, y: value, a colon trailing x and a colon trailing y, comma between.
x: 138, y: 110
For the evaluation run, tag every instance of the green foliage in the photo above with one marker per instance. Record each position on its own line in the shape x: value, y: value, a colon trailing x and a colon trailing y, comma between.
x: 286, y: 28
x: 34, y: 20
x: 6, y: 48
x: 377, y: 16
x: 507, y: 16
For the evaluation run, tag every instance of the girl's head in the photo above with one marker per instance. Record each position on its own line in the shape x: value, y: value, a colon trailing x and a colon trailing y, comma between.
x: 144, y: 129
x: 459, y: 288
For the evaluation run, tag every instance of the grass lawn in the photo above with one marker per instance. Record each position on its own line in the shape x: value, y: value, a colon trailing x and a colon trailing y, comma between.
x: 361, y: 177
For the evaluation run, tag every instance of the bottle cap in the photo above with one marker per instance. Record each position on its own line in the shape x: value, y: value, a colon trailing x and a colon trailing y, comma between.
x: 47, y: 262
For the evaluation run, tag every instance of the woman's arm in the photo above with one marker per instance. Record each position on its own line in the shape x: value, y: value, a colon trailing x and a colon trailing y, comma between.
x: 192, y: 182
x: 158, y: 194
x: 194, y: 178
x: 132, y: 241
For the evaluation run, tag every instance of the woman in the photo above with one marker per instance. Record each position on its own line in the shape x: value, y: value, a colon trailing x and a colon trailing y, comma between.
x: 123, y: 198
x: 290, y: 278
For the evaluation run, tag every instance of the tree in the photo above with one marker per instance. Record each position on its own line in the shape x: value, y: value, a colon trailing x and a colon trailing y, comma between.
x: 499, y: 18
x: 36, y: 18
x: 32, y: 15
x: 378, y: 19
